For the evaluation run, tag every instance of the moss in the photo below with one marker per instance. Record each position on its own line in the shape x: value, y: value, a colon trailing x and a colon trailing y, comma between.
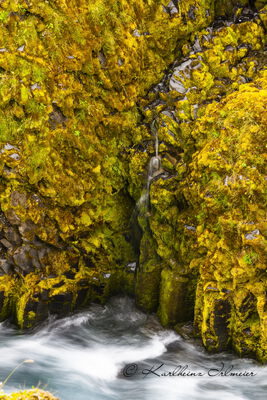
x: 205, y: 208
x: 31, y: 394
x: 75, y: 104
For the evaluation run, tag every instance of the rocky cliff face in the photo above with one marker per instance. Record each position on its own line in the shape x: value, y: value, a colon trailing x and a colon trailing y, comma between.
x: 132, y: 139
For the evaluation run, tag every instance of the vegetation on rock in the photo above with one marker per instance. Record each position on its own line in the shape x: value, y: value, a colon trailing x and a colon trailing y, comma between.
x: 81, y: 108
x: 29, y: 395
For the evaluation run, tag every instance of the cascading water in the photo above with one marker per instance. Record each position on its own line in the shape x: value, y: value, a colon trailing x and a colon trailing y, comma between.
x: 154, y: 170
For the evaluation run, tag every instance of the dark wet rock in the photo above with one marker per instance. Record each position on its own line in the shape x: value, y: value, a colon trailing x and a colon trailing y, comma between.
x: 59, y: 284
x: 222, y: 314
x: 44, y: 295
x: 185, y: 330
x: 248, y: 306
x: 56, y: 117
x: 60, y: 304
x: 191, y: 13
x: 98, y: 289
x: 224, y: 290
x: 2, y: 297
x: 82, y: 297
x: 102, y: 59
x: 247, y: 332
x: 34, y: 313
x: 83, y: 282
x: 69, y: 275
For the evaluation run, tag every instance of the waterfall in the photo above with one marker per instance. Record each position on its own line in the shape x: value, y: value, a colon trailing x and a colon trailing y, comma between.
x: 154, y: 169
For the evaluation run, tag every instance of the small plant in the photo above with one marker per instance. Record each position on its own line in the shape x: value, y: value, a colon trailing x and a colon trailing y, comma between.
x: 3, y: 16
x: 250, y: 258
x: 2, y: 384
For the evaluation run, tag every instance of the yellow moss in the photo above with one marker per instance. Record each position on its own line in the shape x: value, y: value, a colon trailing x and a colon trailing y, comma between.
x: 30, y: 394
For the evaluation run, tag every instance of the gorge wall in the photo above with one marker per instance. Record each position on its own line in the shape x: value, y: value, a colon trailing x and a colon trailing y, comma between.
x: 133, y: 160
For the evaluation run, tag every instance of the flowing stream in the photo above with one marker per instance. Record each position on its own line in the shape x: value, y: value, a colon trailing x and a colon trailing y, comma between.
x: 106, y: 352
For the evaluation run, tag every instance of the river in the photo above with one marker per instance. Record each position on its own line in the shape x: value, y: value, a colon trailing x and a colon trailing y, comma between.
x: 116, y: 352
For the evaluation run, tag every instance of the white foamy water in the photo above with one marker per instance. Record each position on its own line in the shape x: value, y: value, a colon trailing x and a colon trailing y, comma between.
x: 105, y: 353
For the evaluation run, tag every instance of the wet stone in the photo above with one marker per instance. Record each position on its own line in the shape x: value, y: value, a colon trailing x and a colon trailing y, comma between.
x: 222, y: 314
x: 2, y: 298
x: 191, y: 13
x: 59, y: 284
x: 81, y: 297
x: 6, y: 267
x: 18, y: 199
x: 60, y: 304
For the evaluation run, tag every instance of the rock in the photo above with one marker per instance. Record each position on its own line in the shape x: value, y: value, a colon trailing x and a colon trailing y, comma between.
x: 191, y: 13
x: 35, y: 86
x: 181, y: 71
x: 6, y: 243
x: 102, y: 59
x: 21, y: 48
x: 131, y: 266
x: 185, y: 330
x: 56, y: 117
x: 252, y: 235
x: 6, y: 267
x: 18, y: 199
x: 23, y: 259
x: 60, y: 304
x: 190, y: 228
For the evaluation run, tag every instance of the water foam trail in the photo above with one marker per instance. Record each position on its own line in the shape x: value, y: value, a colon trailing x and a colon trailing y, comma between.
x: 82, y: 357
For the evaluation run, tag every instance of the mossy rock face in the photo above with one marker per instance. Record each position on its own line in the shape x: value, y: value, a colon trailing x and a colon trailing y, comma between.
x: 70, y: 79
x: 208, y: 205
x: 32, y: 394
x: 81, y: 106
